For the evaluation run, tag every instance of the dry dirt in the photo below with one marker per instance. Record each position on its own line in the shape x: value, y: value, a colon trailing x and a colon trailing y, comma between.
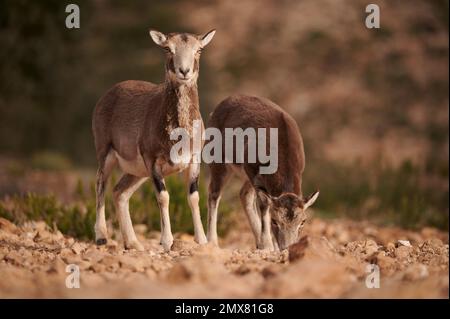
x: 329, y: 262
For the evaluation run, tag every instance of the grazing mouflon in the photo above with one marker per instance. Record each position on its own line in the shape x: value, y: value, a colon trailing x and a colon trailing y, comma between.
x: 278, y: 196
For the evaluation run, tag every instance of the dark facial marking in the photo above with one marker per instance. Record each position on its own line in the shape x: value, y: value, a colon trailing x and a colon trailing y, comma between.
x: 196, y: 65
x: 170, y: 66
x: 194, y: 186
x: 290, y: 204
x: 184, y: 37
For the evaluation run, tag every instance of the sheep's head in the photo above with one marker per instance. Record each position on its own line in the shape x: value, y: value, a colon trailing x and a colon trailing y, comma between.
x: 183, y: 54
x: 288, y: 215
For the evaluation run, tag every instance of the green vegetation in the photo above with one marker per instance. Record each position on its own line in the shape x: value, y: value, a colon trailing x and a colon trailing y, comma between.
x: 387, y: 83
x: 78, y: 219
x: 74, y: 220
x: 50, y: 161
x: 382, y: 194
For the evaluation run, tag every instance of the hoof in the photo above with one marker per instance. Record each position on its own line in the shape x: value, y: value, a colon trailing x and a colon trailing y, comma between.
x: 201, y: 241
x: 213, y: 242
x: 167, y: 246
x: 135, y: 245
x: 265, y: 247
x: 101, y: 241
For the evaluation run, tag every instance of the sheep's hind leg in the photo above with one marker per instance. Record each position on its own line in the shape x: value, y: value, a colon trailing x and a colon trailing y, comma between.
x: 218, y: 177
x: 124, y: 189
x: 247, y: 195
x: 104, y: 171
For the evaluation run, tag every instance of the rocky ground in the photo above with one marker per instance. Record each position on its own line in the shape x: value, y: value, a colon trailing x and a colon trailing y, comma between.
x: 330, y: 261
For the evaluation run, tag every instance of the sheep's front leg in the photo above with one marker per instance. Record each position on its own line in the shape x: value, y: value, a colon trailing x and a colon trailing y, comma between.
x: 193, y: 200
x: 266, y: 234
x: 163, y: 197
x: 247, y: 195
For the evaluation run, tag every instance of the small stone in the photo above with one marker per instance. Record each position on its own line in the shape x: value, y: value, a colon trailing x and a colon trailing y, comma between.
x: 181, y: 245
x: 371, y: 247
x: 30, y: 235
x: 405, y: 243
x: 111, y: 263
x: 297, y: 250
x: 58, y: 266
x: 134, y: 264
x: 25, y: 253
x: 40, y: 225
x: 66, y: 252
x: 242, y: 270
x: 402, y: 252
x: 83, y: 264
x: 109, y: 276
x: 7, y: 226
x: 76, y: 248
x: 58, y: 236
x: 98, y: 268
x: 93, y: 255
x: 43, y: 235
x: 390, y: 247
x: 112, y: 244
x: 14, y: 257
x: 386, y: 263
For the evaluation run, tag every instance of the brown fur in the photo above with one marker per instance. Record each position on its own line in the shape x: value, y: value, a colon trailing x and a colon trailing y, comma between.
x: 248, y: 111
x: 132, y: 123
x: 279, y: 195
x: 132, y: 108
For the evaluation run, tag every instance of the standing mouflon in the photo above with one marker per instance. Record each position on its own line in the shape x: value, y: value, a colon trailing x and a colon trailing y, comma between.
x: 132, y: 124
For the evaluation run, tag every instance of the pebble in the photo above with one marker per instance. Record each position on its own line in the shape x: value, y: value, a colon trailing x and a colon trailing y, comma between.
x: 76, y: 248
x: 402, y: 252
x: 405, y: 243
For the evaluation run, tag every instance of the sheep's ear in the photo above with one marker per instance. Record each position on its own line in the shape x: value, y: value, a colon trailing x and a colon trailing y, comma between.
x: 207, y: 37
x: 158, y: 37
x: 310, y: 200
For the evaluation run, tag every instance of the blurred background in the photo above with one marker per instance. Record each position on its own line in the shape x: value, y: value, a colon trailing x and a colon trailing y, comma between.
x: 372, y: 104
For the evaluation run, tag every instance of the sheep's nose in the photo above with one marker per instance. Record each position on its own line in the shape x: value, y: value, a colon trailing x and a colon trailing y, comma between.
x: 184, y: 71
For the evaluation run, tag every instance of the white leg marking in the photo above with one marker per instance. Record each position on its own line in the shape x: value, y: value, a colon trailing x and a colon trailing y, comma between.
x: 166, y: 232
x: 212, y: 221
x: 199, y: 233
x: 248, y: 202
x: 123, y: 214
x: 100, y: 219
x: 266, y: 234
x: 100, y: 224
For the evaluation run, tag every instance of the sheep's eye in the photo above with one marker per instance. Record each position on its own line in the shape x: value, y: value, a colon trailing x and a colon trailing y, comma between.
x: 199, y: 51
x: 303, y: 222
x: 167, y: 49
